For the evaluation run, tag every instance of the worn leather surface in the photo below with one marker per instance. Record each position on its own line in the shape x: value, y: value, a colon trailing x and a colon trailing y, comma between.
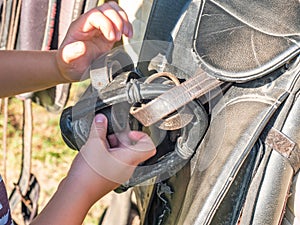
x: 231, y: 147
x: 239, y: 46
x: 237, y: 41
x: 214, y: 33
x: 33, y: 24
x: 276, y: 17
x: 290, y: 208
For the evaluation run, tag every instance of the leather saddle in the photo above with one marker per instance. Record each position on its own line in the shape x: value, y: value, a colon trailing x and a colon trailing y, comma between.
x: 247, y: 151
x: 235, y: 41
x: 231, y: 179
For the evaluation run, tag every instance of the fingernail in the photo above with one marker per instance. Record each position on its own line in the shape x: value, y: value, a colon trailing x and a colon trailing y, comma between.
x: 111, y: 35
x: 125, y: 30
x: 130, y: 33
x: 99, y: 118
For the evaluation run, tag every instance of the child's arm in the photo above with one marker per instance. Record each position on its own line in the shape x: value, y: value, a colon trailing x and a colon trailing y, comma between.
x: 96, y: 170
x: 91, y: 35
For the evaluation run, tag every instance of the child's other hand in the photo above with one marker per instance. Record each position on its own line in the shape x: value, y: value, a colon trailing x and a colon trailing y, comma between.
x: 116, y: 159
x: 89, y: 36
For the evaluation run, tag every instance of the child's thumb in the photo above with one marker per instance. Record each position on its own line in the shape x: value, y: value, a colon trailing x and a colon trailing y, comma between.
x: 73, y: 51
x: 100, y: 123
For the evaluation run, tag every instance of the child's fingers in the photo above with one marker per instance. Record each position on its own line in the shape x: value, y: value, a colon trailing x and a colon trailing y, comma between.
x: 115, y: 18
x: 136, y: 149
x: 127, y: 27
x: 141, y: 141
x: 134, y: 138
x: 135, y: 141
x: 137, y: 136
x: 113, y: 140
x: 109, y: 18
x: 97, y: 20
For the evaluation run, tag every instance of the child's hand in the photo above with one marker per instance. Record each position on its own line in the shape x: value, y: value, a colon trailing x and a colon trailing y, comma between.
x: 117, y: 158
x: 88, y: 37
x: 96, y: 170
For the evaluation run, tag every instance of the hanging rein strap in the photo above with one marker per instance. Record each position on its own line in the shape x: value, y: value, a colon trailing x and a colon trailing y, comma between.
x: 26, y: 190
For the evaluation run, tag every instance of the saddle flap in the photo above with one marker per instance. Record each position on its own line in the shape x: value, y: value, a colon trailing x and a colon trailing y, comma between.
x: 230, y: 40
x: 235, y: 44
x: 277, y: 18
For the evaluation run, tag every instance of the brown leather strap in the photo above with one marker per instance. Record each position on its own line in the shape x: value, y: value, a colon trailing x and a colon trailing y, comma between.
x: 175, y: 98
x: 5, y: 136
x: 70, y: 10
x: 22, y: 187
x: 285, y: 146
x: 34, y: 25
x: 13, y: 26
